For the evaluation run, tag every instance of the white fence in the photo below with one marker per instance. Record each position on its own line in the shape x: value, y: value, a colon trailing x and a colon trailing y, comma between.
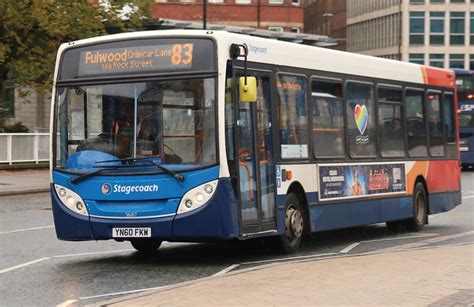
x: 24, y: 147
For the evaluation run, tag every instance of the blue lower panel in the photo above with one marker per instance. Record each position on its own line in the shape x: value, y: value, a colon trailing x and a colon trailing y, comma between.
x: 342, y: 215
x: 442, y: 202
x: 69, y: 225
x: 216, y: 220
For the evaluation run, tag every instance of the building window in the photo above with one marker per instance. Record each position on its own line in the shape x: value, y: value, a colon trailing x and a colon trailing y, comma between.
x: 328, y: 119
x: 437, y: 60
x: 417, y: 28
x: 436, y: 1
x: 457, y: 28
x: 295, y: 2
x: 437, y: 28
x: 417, y: 58
x: 295, y: 30
x: 243, y: 1
x: 471, y: 61
x: 458, y: 1
x: 293, y: 117
x: 275, y: 1
x: 417, y: 1
x: 276, y: 29
x: 456, y: 60
x: 472, y: 29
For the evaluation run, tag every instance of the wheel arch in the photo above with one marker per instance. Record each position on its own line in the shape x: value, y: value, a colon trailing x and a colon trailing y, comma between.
x: 297, y: 189
x: 421, y: 179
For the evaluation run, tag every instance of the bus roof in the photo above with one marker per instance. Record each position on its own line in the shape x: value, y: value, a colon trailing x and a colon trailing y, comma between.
x: 282, y: 53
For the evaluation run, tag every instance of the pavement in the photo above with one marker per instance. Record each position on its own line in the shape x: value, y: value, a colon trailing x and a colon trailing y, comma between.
x: 436, y: 276
x: 24, y: 182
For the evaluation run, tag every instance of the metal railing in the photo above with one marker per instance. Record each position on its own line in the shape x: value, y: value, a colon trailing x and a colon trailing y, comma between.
x: 24, y: 147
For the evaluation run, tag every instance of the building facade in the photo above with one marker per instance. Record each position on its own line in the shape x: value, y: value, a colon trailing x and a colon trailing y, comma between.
x: 327, y: 17
x: 276, y: 15
x: 431, y: 32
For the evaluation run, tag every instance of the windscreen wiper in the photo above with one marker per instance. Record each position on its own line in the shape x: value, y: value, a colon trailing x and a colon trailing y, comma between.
x: 176, y: 175
x: 85, y: 176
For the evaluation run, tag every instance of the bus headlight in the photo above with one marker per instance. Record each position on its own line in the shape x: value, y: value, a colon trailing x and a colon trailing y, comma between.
x: 71, y: 200
x: 197, y: 197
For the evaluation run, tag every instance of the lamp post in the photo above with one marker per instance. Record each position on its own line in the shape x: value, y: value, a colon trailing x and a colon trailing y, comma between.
x: 204, y: 14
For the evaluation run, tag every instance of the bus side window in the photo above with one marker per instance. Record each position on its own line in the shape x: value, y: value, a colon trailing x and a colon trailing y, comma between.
x: 435, y: 126
x: 360, y: 119
x: 293, y: 116
x: 416, y: 125
x: 328, y: 119
x: 392, y: 140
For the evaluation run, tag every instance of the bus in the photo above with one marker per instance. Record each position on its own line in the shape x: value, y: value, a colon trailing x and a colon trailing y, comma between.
x: 192, y: 136
x: 465, y: 92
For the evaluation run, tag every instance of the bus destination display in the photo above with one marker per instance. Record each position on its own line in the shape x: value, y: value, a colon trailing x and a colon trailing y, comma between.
x: 136, y: 59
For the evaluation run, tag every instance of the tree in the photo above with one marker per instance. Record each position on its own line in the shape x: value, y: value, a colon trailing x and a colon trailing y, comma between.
x: 32, y: 30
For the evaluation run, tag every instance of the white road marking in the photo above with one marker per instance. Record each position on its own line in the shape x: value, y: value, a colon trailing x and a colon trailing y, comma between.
x: 66, y: 303
x: 429, y: 241
x: 350, y: 247
x: 26, y: 229
x: 465, y: 197
x: 472, y: 192
x: 224, y: 271
x: 23, y: 265
x: 290, y: 258
x: 94, y: 253
x: 119, y: 293
x: 354, y: 245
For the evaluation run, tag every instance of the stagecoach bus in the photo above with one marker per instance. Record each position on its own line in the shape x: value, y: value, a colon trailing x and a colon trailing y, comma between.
x: 195, y: 135
x: 465, y: 95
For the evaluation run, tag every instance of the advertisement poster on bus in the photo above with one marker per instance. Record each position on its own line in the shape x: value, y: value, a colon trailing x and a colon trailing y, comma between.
x: 352, y: 181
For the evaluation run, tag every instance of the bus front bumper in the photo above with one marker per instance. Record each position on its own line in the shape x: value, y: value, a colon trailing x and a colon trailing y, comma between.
x: 218, y: 219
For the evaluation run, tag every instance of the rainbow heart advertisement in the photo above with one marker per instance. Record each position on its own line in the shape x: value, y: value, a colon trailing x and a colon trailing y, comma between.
x: 361, y: 116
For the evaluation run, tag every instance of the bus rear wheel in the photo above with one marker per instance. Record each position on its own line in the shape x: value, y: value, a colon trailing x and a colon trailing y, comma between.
x: 420, y: 209
x: 146, y: 246
x: 290, y: 241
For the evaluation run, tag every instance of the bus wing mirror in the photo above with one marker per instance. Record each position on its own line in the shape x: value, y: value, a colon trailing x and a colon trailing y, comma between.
x: 248, y: 89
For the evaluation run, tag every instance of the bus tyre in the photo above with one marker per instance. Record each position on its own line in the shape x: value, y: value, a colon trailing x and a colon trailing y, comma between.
x: 146, y: 246
x: 420, y: 209
x: 290, y: 241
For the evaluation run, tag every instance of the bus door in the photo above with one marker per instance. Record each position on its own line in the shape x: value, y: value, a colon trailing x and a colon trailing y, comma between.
x: 255, y: 163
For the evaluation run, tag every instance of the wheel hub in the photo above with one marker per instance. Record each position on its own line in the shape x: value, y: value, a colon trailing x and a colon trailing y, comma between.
x: 293, y: 223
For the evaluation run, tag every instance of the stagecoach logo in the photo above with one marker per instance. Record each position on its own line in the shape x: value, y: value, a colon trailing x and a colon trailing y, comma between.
x: 127, y: 189
x: 254, y: 49
x: 106, y: 188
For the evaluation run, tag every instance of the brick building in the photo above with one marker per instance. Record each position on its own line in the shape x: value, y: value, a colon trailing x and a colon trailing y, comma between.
x: 327, y: 17
x: 277, y: 15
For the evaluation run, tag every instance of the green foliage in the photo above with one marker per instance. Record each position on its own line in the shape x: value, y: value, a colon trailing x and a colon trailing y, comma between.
x: 31, y: 32
x: 15, y: 128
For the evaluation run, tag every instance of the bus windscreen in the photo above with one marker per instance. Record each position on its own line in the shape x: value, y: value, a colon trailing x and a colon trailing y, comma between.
x: 137, y: 57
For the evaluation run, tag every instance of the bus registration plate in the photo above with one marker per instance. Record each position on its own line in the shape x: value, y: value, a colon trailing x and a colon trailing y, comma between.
x: 131, y: 232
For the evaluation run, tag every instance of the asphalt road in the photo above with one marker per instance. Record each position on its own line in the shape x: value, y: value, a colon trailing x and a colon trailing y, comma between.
x: 36, y: 269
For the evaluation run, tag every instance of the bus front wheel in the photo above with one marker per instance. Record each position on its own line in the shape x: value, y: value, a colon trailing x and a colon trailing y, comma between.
x: 420, y: 209
x: 146, y: 246
x: 294, y: 224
